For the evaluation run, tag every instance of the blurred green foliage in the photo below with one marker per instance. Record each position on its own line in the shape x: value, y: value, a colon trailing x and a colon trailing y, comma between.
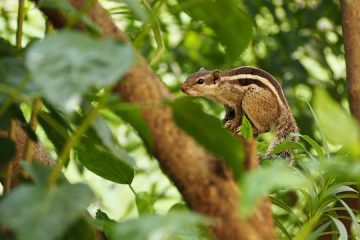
x: 299, y: 42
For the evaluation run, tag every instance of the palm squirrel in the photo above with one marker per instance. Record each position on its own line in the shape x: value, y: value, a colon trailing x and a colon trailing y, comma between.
x: 250, y: 91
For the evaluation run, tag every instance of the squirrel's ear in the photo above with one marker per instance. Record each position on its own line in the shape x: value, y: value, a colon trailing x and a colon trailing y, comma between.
x: 216, y: 75
x: 202, y: 69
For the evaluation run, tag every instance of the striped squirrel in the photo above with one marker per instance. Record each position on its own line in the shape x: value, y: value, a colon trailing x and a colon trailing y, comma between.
x: 250, y: 91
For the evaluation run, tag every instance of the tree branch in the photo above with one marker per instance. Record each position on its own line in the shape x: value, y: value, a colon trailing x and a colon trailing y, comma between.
x: 39, y: 153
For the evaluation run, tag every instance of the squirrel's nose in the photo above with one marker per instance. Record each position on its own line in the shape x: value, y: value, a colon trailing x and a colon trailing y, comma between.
x: 183, y: 88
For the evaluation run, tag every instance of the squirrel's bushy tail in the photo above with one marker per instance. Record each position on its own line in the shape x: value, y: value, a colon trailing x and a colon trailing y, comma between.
x: 286, y: 124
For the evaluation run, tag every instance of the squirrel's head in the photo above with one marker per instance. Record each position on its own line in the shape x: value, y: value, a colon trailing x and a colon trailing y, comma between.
x: 201, y: 83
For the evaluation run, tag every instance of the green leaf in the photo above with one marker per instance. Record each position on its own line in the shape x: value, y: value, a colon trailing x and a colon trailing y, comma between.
x: 39, y: 213
x: 40, y: 173
x: 339, y: 127
x: 260, y: 182
x: 64, y: 65
x: 103, y: 223
x: 15, y: 82
x: 100, y: 215
x: 290, y: 145
x: 305, y: 230
x: 209, y: 132
x: 280, y: 226
x: 353, y: 217
x: 7, y: 151
x: 222, y: 16
x: 132, y: 114
x: 13, y: 111
x: 312, y: 142
x: 321, y: 131
x: 341, y: 228
x: 278, y: 202
x: 340, y: 189
x: 6, y: 49
x: 178, y: 207
x: 54, y: 128
x: 145, y: 203
x: 81, y: 230
x: 317, y: 233
x: 135, y: 6
x: 346, y: 170
x: 157, y: 227
x: 103, y: 162
x: 246, y: 128
x: 104, y: 134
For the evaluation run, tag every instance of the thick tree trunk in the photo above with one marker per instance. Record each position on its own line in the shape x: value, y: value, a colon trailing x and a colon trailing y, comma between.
x: 205, y: 182
x: 351, y: 31
x: 350, y: 11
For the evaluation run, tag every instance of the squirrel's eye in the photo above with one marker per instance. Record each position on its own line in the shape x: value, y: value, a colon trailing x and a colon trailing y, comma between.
x: 200, y: 81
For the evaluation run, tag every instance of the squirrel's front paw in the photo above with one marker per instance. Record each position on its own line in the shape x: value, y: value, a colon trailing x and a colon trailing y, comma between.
x: 233, y: 125
x: 255, y: 131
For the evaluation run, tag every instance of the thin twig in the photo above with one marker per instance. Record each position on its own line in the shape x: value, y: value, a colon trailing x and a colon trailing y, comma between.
x: 29, y: 147
x: 12, y: 130
x: 73, y: 140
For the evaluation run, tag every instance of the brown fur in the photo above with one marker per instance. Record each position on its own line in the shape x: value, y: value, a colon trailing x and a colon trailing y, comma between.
x: 249, y: 96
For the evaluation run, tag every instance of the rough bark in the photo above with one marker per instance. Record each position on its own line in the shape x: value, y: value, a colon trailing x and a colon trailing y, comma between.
x: 39, y: 154
x: 350, y: 10
x: 204, y: 181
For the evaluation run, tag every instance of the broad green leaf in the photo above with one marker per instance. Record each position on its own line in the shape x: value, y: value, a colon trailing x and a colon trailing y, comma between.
x: 100, y: 215
x: 246, y: 128
x: 54, y: 129
x: 180, y: 206
x: 6, y: 49
x: 104, y: 134
x: 103, y: 222
x: 40, y: 173
x: 81, y: 230
x: 39, y: 213
x: 104, y: 163
x: 132, y: 114
x: 157, y: 227
x: 7, y: 151
x: 260, y: 182
x: 341, y: 228
x: 145, y: 203
x: 338, y: 125
x: 103, y: 131
x: 222, y: 16
x: 64, y: 65
x: 208, y: 131
x: 15, y: 81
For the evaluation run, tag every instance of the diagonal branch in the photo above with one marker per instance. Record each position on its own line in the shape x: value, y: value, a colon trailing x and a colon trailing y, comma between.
x: 204, y: 181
